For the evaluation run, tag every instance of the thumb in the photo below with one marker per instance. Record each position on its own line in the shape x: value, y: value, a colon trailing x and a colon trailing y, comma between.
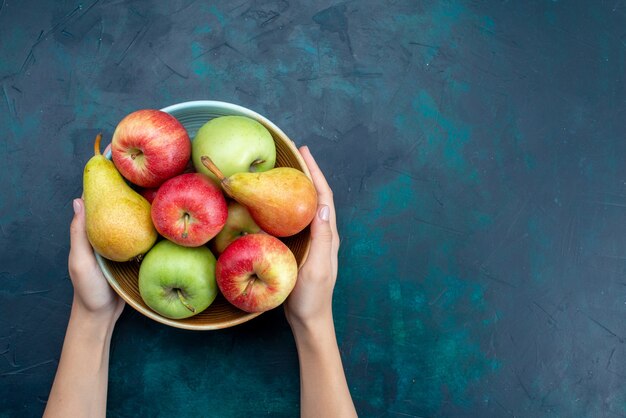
x: 79, y: 242
x: 321, y: 233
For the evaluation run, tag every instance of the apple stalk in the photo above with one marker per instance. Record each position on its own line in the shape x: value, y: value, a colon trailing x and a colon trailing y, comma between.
x: 184, y: 301
x: 186, y: 221
x: 255, y: 164
x: 251, y: 281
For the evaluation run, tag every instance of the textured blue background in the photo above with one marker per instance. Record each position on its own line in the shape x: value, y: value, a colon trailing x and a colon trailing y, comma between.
x: 476, y: 152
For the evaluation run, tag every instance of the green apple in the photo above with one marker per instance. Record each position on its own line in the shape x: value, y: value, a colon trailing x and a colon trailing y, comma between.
x: 177, y: 282
x: 235, y: 144
x: 238, y: 223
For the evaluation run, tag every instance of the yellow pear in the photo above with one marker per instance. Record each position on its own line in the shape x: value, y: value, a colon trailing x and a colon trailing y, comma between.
x: 117, y: 218
x: 282, y: 201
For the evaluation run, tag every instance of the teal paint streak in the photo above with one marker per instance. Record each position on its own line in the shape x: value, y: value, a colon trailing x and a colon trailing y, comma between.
x: 555, y: 391
x: 398, y: 329
x: 550, y: 17
x: 520, y: 141
x: 432, y: 27
x: 202, y: 30
x: 489, y: 23
x: 445, y: 137
x: 541, y: 248
x: 336, y: 85
x: 196, y: 50
x: 481, y: 220
x: 459, y: 86
x: 260, y: 79
x: 429, y: 304
x: 431, y: 301
x: 300, y: 40
x: 15, y: 36
x: 199, y: 63
x: 452, y: 359
x: 221, y: 18
x: 204, y: 382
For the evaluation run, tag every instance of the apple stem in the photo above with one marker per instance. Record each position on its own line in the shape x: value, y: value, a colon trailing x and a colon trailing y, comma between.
x: 208, y: 163
x: 186, y: 220
x: 184, y: 301
x: 249, y: 285
x: 96, y: 145
x: 255, y: 163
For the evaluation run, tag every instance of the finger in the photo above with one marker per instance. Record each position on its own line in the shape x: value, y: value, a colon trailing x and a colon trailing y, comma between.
x: 106, y: 150
x: 321, y: 238
x: 79, y: 243
x: 324, y: 192
x: 319, y: 181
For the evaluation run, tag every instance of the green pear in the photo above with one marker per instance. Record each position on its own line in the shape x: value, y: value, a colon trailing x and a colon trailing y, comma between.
x: 282, y: 201
x: 117, y: 218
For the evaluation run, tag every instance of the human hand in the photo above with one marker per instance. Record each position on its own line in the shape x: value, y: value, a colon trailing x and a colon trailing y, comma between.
x: 92, y: 294
x: 80, y: 384
x: 310, y: 302
x: 324, y: 390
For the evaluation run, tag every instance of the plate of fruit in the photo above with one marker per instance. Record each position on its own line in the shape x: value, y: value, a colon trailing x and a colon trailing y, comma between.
x: 199, y: 215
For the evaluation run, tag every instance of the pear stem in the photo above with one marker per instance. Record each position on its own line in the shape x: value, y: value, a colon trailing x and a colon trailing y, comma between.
x: 250, y: 283
x: 208, y: 163
x: 96, y: 145
x: 186, y: 220
x: 184, y: 301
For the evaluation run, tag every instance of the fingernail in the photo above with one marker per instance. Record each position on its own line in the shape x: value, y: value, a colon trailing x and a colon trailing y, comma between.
x: 324, y: 213
x: 77, y: 205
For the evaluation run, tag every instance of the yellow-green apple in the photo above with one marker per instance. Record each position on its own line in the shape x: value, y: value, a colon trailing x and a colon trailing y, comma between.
x: 235, y: 144
x: 177, y: 282
x: 150, y: 146
x: 189, y: 209
x: 256, y: 272
x: 238, y: 224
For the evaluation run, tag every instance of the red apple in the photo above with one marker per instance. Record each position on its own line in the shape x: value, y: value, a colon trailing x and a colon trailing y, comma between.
x: 189, y: 209
x: 149, y: 193
x: 256, y: 272
x: 238, y: 224
x: 149, y: 147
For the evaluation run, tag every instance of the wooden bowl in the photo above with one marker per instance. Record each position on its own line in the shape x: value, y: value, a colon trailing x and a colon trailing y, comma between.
x: 123, y: 277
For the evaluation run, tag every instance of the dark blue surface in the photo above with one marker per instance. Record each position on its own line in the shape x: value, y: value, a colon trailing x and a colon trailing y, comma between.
x: 476, y: 153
